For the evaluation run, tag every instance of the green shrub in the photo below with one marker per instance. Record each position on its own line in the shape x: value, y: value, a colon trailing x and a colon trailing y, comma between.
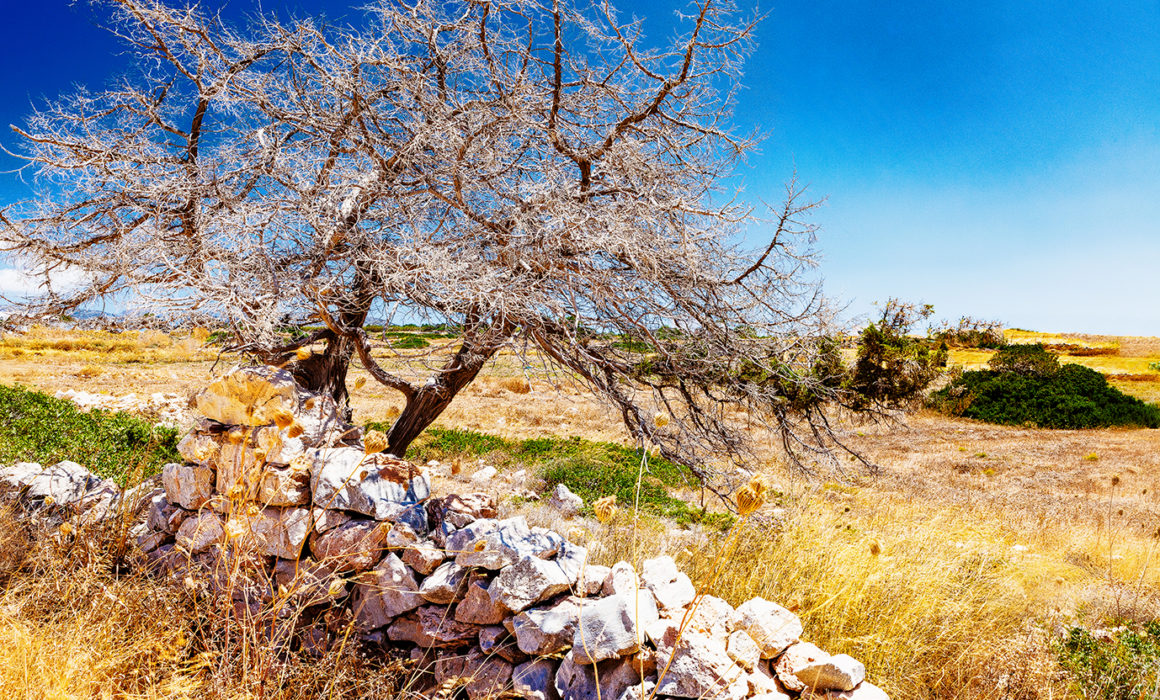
x: 35, y: 427
x: 1071, y: 397
x: 1025, y: 359
x: 1124, y: 665
x: 409, y: 342
x: 893, y: 367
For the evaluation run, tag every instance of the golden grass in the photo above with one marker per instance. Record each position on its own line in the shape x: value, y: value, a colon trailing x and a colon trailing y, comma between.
x: 105, y: 346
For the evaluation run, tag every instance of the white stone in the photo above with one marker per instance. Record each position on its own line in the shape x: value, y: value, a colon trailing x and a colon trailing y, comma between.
x: 672, y: 589
x: 249, y: 396
x: 284, y: 486
x: 743, y: 650
x: 384, y: 593
x: 344, y: 478
x: 700, y: 667
x: 527, y: 582
x: 795, y: 658
x: 507, y: 543
x: 545, y: 631
x: 199, y: 532
x: 446, y: 584
x: 773, y: 627
x: 591, y: 580
x: 621, y: 578
x: 612, y: 627
x: 864, y: 691
x: 838, y: 672
x: 484, y: 475
x: 188, y: 485
x: 565, y: 501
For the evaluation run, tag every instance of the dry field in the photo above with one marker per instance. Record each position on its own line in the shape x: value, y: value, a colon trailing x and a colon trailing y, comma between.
x: 949, y: 572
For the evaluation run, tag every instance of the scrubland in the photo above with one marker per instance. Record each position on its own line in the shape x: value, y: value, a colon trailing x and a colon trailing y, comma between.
x: 953, y: 570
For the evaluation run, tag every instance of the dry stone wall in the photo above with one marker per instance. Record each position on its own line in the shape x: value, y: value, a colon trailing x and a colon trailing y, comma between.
x: 278, y: 500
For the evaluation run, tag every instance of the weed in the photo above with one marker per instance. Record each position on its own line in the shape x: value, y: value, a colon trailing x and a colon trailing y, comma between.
x: 1122, y: 664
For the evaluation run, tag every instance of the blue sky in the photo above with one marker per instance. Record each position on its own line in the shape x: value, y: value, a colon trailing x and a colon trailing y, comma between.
x: 997, y: 159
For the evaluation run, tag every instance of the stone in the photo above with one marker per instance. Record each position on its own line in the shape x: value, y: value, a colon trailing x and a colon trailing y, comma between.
x: 488, y: 676
x: 284, y: 486
x: 477, y: 606
x: 278, y: 532
x: 762, y: 683
x: 565, y: 501
x: 147, y: 540
x: 820, y: 673
x: 230, y: 572
x: 572, y: 560
x: 431, y: 626
x: 318, y: 418
x: 535, y: 680
x: 249, y: 396
x: 645, y: 690
x: 495, y: 639
x: 423, y: 557
x: 773, y: 627
x: 594, y: 682
x: 380, y: 486
x: 612, y: 627
x: 385, y: 592
x: 198, y: 448
x: 672, y: 588
x: 239, y: 470
x: 199, y: 532
x: 795, y: 658
x: 527, y: 582
x: 188, y: 485
x: 328, y: 519
x: 484, y: 475
x: 508, y: 542
x: 307, y: 583
x: 591, y: 580
x: 698, y: 666
x: 460, y: 539
x: 355, y: 545
x: 743, y: 650
x: 621, y: 578
x: 277, y: 445
x: 163, y: 516
x: 461, y: 510
x: 63, y: 484
x: 547, y: 630
x: 446, y: 585
x: 710, y: 615
x: 864, y: 691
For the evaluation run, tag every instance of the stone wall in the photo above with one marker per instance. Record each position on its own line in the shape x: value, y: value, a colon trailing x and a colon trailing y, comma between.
x: 279, y: 502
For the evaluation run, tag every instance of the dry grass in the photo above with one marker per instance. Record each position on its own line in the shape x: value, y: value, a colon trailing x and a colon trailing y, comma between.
x: 105, y: 346
x: 987, y: 536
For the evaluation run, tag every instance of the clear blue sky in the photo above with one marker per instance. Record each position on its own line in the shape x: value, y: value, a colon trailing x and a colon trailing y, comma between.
x: 998, y: 159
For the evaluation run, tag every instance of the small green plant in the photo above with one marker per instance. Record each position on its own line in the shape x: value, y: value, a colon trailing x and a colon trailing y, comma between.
x: 1121, y: 665
x: 35, y: 427
x: 1093, y: 457
x: 894, y: 367
x: 410, y: 342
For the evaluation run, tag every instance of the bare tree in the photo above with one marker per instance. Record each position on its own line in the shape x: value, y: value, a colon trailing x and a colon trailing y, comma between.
x: 532, y: 172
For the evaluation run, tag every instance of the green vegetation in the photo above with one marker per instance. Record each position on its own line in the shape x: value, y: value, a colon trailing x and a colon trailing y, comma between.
x: 35, y: 427
x: 893, y: 367
x: 1121, y: 665
x: 1026, y: 385
x: 590, y: 469
x: 409, y: 342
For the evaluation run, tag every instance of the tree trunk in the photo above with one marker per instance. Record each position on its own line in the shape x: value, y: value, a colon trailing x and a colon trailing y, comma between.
x: 425, y: 405
x: 325, y: 373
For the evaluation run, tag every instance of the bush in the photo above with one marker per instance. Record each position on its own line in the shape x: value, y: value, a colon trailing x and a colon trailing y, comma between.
x: 1070, y: 397
x: 970, y: 333
x: 409, y: 342
x: 893, y: 367
x: 1025, y: 359
x: 1124, y: 665
x: 35, y: 427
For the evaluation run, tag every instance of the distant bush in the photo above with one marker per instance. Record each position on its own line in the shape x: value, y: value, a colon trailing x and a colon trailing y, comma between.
x: 1123, y: 665
x: 409, y: 342
x: 1026, y: 388
x: 1025, y: 359
x: 970, y: 333
x: 35, y: 427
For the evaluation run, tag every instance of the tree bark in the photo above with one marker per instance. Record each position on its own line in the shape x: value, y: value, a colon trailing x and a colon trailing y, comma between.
x: 425, y: 405
x: 325, y: 373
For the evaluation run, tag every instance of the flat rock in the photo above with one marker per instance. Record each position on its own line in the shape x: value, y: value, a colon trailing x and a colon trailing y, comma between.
x: 612, y: 627
x: 547, y: 630
x: 527, y: 582
x: 446, y: 585
x: 743, y: 650
x: 797, y: 656
x: 284, y: 486
x: 432, y: 626
x: 380, y: 486
x: 199, y: 532
x: 565, y: 501
x: 621, y: 578
x: 423, y: 557
x: 279, y: 532
x: 461, y: 510
x: 353, y: 546
x: 385, y: 592
x: 507, y: 543
x: 773, y: 627
x: 497, y: 640
x: 249, y: 396
x: 806, y: 667
x: 477, y: 606
x: 672, y: 588
x: 595, y: 682
x: 699, y: 666
x: 591, y: 580
x: 198, y: 448
x: 188, y: 485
